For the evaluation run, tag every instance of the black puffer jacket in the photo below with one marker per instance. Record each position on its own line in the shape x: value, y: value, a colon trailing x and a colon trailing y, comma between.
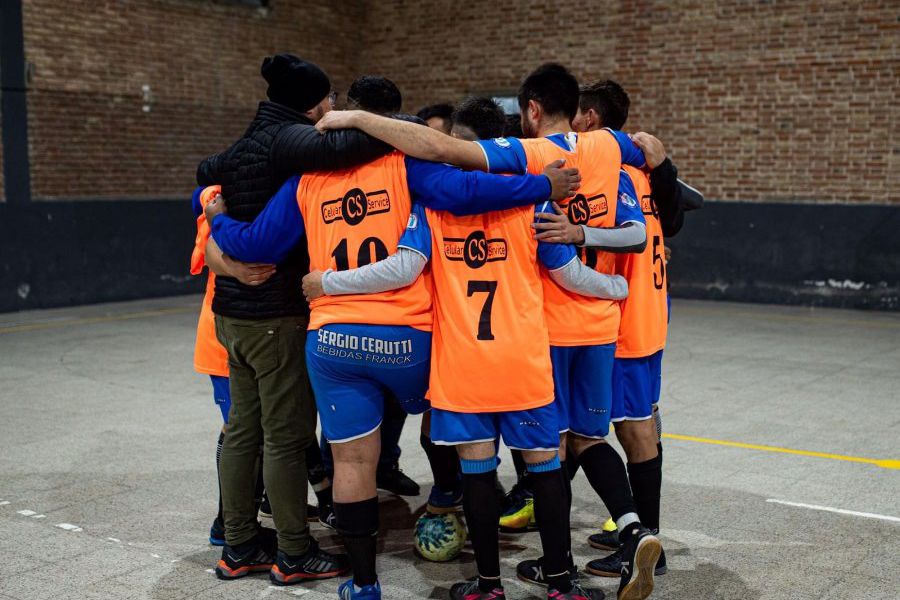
x: 279, y: 143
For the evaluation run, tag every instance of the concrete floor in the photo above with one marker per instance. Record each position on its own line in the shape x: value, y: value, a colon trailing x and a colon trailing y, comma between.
x: 107, y: 479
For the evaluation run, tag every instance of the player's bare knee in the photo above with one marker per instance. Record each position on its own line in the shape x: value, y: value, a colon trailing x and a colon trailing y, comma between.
x: 578, y: 444
x: 638, y: 439
x: 477, y: 451
x: 533, y: 457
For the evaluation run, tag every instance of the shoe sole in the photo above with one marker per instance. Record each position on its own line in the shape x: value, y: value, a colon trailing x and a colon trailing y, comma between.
x: 443, y: 510
x: 600, y: 573
x: 223, y: 572
x: 279, y: 578
x: 645, y: 558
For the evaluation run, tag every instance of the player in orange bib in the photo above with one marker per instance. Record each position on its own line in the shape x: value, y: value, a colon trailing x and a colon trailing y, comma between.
x: 583, y: 331
x: 491, y: 373
x: 644, y: 323
x: 358, y: 345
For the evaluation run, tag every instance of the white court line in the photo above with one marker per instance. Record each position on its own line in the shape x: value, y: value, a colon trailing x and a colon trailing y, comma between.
x: 69, y: 527
x: 4, y: 503
x: 26, y: 513
x: 840, y: 511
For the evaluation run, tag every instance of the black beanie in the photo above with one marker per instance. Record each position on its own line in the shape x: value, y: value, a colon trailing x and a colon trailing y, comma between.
x: 293, y: 82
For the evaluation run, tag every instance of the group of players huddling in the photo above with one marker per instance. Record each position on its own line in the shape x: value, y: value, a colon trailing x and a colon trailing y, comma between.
x: 506, y: 287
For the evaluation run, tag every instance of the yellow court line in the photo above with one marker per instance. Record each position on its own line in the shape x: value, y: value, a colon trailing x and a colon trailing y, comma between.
x: 91, y: 320
x: 883, y: 463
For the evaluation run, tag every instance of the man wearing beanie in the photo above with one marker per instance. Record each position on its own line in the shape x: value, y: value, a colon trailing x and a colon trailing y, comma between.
x: 263, y: 327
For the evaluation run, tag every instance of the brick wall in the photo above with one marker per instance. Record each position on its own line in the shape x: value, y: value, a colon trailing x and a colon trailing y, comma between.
x: 90, y: 136
x: 770, y: 101
x: 792, y: 101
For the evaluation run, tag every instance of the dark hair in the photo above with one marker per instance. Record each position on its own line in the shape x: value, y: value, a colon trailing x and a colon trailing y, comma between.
x: 553, y: 87
x: 610, y: 101
x: 514, y: 126
x: 375, y: 94
x: 443, y: 110
x: 481, y: 115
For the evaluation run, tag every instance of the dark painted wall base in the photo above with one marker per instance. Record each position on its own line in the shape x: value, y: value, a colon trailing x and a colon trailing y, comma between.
x: 66, y: 253
x: 812, y: 254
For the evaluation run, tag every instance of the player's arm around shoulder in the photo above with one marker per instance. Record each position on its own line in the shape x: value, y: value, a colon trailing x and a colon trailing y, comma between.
x: 565, y: 268
x: 397, y: 271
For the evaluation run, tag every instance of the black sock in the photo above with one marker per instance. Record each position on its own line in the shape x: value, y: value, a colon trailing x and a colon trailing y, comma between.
x: 219, y: 515
x: 552, y: 516
x: 646, y: 483
x: 571, y: 465
x: 315, y: 473
x: 606, y: 472
x: 357, y: 523
x: 482, y: 509
x: 567, y: 483
x: 519, y: 463
x: 444, y: 463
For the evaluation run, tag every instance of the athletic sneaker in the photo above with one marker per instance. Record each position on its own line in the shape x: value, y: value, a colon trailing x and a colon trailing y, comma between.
x: 608, y: 539
x: 576, y: 593
x: 258, y: 556
x: 469, y: 590
x: 217, y: 533
x: 611, y: 566
x: 532, y: 571
x: 349, y: 591
x: 395, y: 481
x: 315, y: 564
x: 639, y: 557
x: 441, y: 502
x: 518, y: 511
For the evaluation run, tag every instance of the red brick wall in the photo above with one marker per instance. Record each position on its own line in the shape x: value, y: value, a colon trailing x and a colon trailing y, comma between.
x: 89, y: 135
x: 789, y: 101
x: 755, y: 100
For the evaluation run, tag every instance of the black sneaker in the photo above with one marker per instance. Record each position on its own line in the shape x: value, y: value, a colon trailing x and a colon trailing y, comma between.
x: 605, y: 540
x: 315, y: 564
x: 393, y: 480
x: 639, y: 557
x: 611, y: 566
x: 532, y: 571
x: 217, y: 533
x: 469, y: 590
x: 256, y: 556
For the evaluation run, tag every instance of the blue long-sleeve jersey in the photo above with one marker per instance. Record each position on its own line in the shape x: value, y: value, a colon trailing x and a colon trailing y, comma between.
x: 279, y: 227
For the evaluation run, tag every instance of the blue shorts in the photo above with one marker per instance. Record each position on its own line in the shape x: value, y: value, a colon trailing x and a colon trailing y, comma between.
x: 636, y: 384
x: 582, y: 382
x: 353, y: 367
x: 222, y: 395
x: 534, y: 429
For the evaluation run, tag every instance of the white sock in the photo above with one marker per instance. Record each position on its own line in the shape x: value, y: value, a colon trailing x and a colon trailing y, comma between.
x: 626, y: 520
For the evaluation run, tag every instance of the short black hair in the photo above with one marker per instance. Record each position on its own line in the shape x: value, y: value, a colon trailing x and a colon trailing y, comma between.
x: 442, y: 110
x: 610, y: 101
x: 481, y: 115
x: 375, y: 94
x: 514, y: 126
x: 553, y: 87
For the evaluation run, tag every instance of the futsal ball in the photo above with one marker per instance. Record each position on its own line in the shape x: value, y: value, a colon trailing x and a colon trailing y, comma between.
x: 440, y: 538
